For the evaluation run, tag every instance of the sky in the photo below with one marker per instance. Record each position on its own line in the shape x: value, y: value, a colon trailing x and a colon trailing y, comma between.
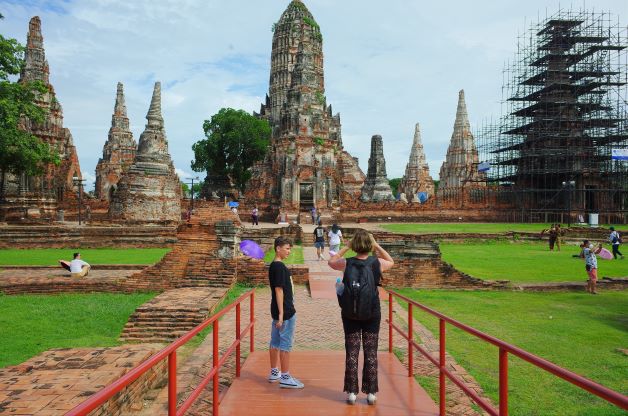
x: 388, y: 65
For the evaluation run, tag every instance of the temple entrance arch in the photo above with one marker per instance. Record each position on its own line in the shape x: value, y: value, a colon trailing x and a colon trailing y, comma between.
x: 306, y: 196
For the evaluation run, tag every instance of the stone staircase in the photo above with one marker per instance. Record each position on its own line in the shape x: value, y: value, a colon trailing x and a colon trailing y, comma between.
x: 193, y: 277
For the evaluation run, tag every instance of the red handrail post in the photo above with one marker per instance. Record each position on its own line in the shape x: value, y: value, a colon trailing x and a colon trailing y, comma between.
x: 410, y: 338
x: 390, y: 322
x: 238, y: 340
x: 172, y: 383
x: 503, y: 382
x: 441, y: 375
x: 252, y: 314
x: 215, y: 366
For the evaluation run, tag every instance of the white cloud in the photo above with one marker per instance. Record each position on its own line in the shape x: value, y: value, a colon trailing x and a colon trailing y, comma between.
x: 388, y: 65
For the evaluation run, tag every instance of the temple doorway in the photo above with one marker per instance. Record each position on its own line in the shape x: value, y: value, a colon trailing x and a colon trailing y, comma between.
x: 306, y: 196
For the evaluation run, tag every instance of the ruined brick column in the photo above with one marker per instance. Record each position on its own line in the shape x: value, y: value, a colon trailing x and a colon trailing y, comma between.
x: 40, y: 195
x: 376, y: 186
x: 417, y: 176
x: 150, y: 191
x: 118, y: 152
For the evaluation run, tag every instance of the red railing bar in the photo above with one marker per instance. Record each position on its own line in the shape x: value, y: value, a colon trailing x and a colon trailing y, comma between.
x: 252, y: 315
x: 106, y: 393
x: 172, y: 383
x: 390, y: 321
x: 215, y: 359
x: 410, y: 339
x: 582, y: 382
x: 238, y: 336
x: 503, y: 382
x: 471, y: 393
x: 442, y: 362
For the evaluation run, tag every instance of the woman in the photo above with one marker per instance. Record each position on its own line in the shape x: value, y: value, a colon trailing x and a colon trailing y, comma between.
x: 335, y: 239
x: 366, y: 331
x: 255, y: 215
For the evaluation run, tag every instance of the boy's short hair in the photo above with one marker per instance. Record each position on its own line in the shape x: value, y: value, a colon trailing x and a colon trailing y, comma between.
x: 76, y: 255
x: 282, y: 241
x: 585, y: 242
x: 361, y: 242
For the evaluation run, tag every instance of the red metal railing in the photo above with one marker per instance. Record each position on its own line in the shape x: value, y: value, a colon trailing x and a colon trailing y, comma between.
x: 170, y: 351
x: 605, y: 393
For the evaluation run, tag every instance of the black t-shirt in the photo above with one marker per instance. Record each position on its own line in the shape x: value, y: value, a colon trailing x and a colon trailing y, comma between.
x: 279, y: 276
x: 319, y: 233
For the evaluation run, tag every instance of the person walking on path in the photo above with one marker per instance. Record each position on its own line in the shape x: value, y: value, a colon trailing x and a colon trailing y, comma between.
x: 255, y: 215
x: 590, y: 265
x: 284, y: 317
x: 314, y: 215
x: 615, y: 240
x: 319, y: 240
x: 335, y: 239
x: 362, y: 275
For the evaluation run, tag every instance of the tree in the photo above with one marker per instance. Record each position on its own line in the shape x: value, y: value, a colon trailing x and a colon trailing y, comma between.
x: 394, y: 185
x: 185, y: 188
x: 235, y: 140
x: 20, y: 151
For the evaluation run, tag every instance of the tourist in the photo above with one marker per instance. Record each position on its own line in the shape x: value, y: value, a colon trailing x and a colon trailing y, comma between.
x: 553, y: 234
x: 364, y: 327
x: 313, y: 214
x: 284, y: 317
x: 319, y: 240
x: 615, y: 240
x: 79, y: 268
x: 255, y: 215
x: 590, y: 264
x: 559, y: 233
x: 319, y: 214
x: 335, y: 239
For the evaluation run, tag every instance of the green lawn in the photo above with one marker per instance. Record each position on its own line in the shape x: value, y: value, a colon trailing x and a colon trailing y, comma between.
x: 464, y: 227
x: 31, y: 324
x: 295, y: 257
x: 523, y: 262
x: 580, y: 332
x: 50, y: 256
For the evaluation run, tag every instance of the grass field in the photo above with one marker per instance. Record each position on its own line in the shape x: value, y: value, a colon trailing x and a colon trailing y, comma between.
x: 31, y: 324
x: 524, y: 262
x: 50, y: 256
x: 580, y: 332
x: 464, y: 227
x: 295, y: 257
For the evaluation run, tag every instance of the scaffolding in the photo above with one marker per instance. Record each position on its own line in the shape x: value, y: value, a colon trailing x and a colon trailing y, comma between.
x: 563, y: 112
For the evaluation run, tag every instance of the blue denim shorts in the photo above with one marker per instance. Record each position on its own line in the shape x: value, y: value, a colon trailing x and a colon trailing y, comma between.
x: 319, y: 244
x: 281, y: 339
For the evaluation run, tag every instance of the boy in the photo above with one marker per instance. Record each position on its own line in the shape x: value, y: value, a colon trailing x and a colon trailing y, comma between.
x: 591, y: 265
x: 284, y: 317
x: 319, y: 240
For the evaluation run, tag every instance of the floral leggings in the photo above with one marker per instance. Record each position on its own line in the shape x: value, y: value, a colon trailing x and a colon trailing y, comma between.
x: 367, y: 333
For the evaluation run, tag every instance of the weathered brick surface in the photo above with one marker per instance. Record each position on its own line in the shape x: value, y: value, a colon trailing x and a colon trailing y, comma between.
x: 59, y: 379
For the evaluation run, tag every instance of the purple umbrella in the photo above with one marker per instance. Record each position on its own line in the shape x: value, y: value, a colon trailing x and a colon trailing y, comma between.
x: 251, y: 249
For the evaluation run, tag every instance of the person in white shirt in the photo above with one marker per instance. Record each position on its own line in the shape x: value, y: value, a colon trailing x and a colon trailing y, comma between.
x: 335, y: 239
x: 79, y: 268
x: 615, y: 240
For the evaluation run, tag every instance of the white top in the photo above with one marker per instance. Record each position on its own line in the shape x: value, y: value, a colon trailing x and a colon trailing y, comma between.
x: 614, y: 238
x: 76, y: 265
x: 589, y: 257
x: 334, y: 239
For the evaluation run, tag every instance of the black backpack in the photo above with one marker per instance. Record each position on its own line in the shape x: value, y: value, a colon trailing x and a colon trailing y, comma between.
x: 360, y: 296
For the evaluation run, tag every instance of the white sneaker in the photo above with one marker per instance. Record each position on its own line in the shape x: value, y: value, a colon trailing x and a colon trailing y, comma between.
x: 351, y: 398
x: 371, y: 398
x: 274, y: 375
x: 290, y: 383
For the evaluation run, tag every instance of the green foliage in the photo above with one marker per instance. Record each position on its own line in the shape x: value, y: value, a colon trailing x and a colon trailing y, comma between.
x: 186, y: 189
x: 436, y: 184
x: 320, y: 97
x: 319, y: 140
x: 394, y: 185
x: 50, y: 256
x: 300, y: 6
x: 295, y: 257
x: 33, y: 324
x: 273, y: 27
x: 524, y: 262
x: 464, y: 227
x: 235, y: 140
x: 577, y: 331
x: 20, y: 151
x: 311, y: 22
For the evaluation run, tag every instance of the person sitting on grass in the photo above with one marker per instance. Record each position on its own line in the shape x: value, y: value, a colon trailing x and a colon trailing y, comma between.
x: 590, y: 264
x: 77, y: 267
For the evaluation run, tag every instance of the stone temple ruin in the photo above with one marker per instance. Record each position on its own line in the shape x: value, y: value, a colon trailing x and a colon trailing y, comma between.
x: 150, y: 191
x: 40, y: 196
x: 118, y: 152
x: 376, y: 187
x: 306, y: 164
x: 417, y: 175
x: 460, y: 168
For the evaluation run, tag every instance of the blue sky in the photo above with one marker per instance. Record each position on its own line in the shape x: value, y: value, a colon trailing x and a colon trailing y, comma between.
x: 388, y: 65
